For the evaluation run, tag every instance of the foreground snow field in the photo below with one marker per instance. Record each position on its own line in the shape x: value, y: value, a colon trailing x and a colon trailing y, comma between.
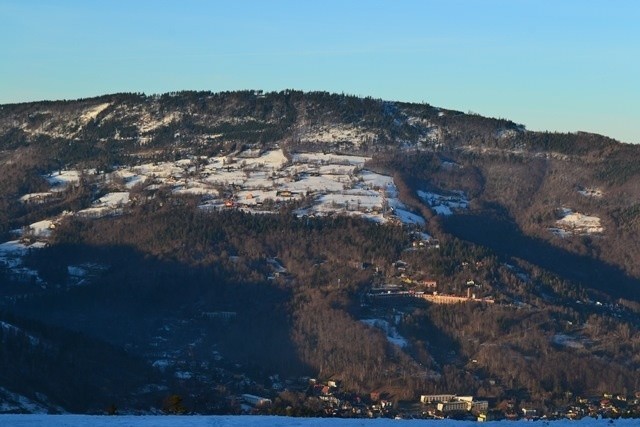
x: 264, y: 421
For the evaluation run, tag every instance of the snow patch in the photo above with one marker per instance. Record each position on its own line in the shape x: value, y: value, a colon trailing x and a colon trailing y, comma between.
x: 506, y: 134
x: 92, y: 113
x: 107, y: 205
x: 148, y: 123
x: 591, y: 192
x: 445, y: 204
x: 41, y: 229
x: 567, y: 341
x: 330, y: 158
x: 274, y: 159
x: 409, y: 218
x: 61, y: 179
x: 36, y: 197
x: 576, y: 223
x: 392, y: 334
x: 11, y: 255
x: 338, y: 133
x: 376, y: 181
x: 14, y: 402
x: 113, y: 199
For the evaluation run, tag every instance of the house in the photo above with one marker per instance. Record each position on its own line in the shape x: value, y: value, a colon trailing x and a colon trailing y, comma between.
x: 430, y: 283
x: 285, y: 193
x: 454, y: 405
x: 333, y: 383
x: 256, y: 401
x: 451, y: 403
x: 400, y: 265
x: 434, y: 398
x: 480, y: 406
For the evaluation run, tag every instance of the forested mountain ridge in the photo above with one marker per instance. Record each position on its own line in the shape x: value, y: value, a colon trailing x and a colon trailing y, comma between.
x: 229, y: 239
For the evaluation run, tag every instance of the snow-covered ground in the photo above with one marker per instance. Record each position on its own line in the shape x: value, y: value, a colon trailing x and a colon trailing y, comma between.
x: 109, y: 204
x: 338, y: 133
x: 11, y: 256
x: 15, y: 402
x: 93, y: 112
x: 576, y: 223
x: 41, y: 228
x: 445, y: 204
x: 149, y: 123
x: 36, y: 197
x: 329, y: 183
x: 330, y: 158
x: 392, y: 334
x: 591, y: 192
x: 336, y: 183
x: 268, y: 421
x: 61, y: 179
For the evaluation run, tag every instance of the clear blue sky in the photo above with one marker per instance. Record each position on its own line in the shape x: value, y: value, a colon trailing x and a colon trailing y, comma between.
x: 562, y: 65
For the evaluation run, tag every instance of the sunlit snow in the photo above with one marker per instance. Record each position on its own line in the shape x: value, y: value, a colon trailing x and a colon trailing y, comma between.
x: 576, y: 223
x: 93, y: 112
x: 59, y: 180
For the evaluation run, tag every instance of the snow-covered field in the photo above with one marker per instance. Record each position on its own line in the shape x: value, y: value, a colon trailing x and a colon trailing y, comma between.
x: 253, y: 181
x: 61, y: 179
x: 335, y: 183
x: 266, y: 421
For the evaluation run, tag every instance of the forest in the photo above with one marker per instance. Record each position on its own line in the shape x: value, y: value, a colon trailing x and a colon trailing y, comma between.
x: 167, y: 266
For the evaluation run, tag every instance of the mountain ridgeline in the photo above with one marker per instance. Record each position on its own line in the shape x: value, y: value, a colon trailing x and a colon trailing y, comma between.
x: 200, y: 246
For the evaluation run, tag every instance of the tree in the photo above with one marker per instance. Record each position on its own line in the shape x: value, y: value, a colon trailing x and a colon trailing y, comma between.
x: 173, y: 405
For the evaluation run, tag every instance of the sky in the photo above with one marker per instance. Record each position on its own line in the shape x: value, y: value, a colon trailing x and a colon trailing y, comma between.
x: 569, y: 65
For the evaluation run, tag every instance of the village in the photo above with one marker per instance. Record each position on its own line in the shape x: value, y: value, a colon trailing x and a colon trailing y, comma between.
x: 312, y: 184
x: 328, y: 399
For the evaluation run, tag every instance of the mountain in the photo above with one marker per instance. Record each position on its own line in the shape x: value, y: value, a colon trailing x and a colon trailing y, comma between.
x: 207, y: 245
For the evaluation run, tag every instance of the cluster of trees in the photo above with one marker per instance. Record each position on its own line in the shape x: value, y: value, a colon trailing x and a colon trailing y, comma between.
x: 73, y: 371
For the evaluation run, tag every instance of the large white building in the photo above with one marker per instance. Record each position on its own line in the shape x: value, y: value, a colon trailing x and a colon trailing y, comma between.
x: 451, y: 402
x: 256, y: 401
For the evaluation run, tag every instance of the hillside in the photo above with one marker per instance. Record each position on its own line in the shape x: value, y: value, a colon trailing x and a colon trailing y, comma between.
x: 216, y: 244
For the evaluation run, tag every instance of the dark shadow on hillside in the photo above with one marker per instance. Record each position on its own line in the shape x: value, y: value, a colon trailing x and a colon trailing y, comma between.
x: 75, y: 372
x: 504, y: 237
x: 153, y: 306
